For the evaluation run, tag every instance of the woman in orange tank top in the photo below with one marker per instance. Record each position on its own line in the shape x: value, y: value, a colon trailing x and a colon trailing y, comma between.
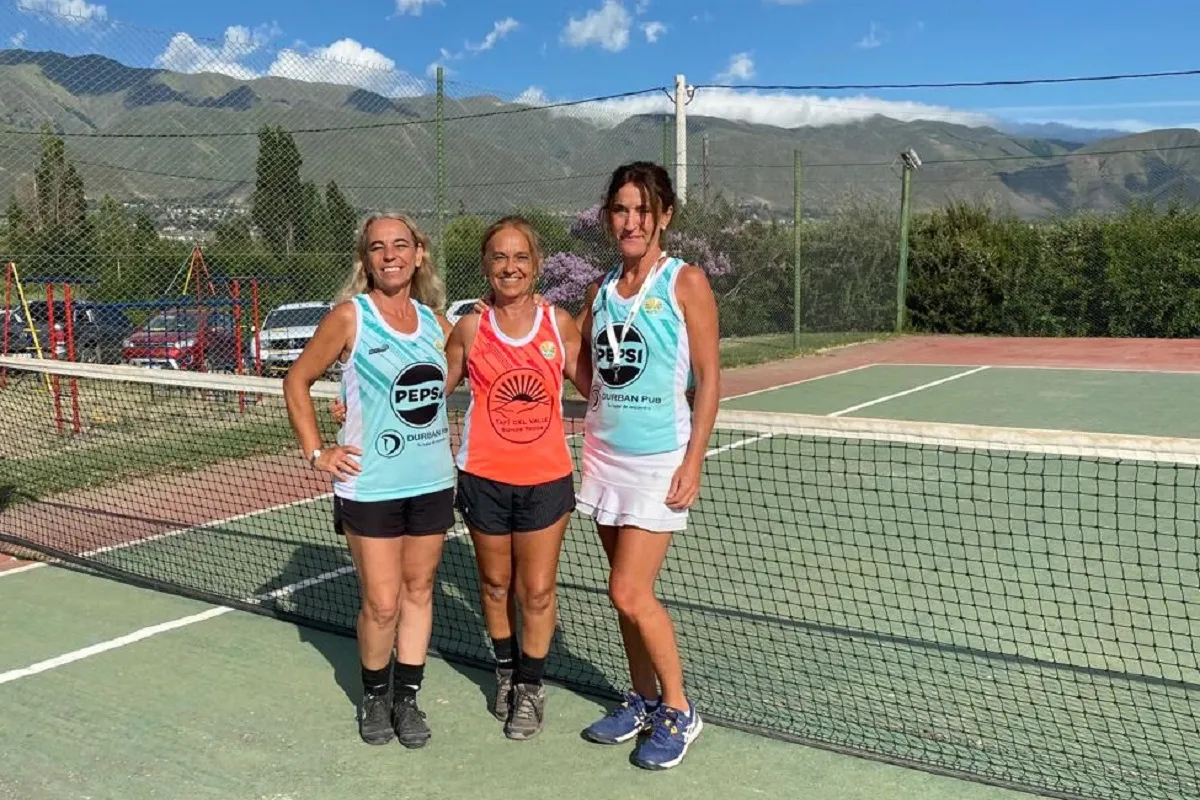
x: 515, y: 486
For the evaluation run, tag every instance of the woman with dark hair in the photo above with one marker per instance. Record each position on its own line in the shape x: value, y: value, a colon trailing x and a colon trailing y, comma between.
x: 391, y: 469
x: 650, y: 325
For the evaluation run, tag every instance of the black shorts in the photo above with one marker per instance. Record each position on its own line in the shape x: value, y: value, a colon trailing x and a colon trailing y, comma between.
x: 422, y: 515
x: 498, y: 508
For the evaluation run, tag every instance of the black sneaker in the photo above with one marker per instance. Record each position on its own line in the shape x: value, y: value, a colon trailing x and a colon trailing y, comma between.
x: 408, y: 722
x: 502, y: 702
x: 374, y: 718
x: 528, y: 714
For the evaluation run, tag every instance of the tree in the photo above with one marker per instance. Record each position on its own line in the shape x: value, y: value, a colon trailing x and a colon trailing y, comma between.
x: 60, y: 204
x: 343, y: 222
x: 278, y: 194
x: 113, y: 242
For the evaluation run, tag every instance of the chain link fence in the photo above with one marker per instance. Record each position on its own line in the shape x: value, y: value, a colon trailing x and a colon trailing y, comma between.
x: 201, y: 209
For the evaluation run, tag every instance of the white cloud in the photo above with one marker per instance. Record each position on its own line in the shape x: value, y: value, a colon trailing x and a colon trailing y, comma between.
x: 18, y: 39
x: 777, y: 108
x: 653, y: 31
x: 185, y: 54
x: 533, y: 96
x: 68, y: 12
x: 741, y: 68
x: 872, y: 39
x: 500, y: 29
x: 414, y: 7
x: 607, y: 27
x: 345, y: 62
x: 642, y: 7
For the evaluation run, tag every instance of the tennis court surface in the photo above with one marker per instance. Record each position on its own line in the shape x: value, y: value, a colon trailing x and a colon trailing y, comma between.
x: 984, y: 570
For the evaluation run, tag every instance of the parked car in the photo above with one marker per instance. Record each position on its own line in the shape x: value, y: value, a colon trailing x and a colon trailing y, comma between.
x: 459, y: 309
x: 285, y: 332
x: 184, y: 338
x: 98, y: 330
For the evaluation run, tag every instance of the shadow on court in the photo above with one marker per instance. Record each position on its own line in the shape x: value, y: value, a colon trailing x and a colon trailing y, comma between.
x: 459, y: 635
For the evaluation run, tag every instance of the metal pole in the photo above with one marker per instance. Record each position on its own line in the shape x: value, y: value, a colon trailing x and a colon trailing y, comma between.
x: 902, y: 276
x: 704, y: 159
x: 681, y: 139
x: 797, y: 288
x: 441, y: 171
x: 666, y: 143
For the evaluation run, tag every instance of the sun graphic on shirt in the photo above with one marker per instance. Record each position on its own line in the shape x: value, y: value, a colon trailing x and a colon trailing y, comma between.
x: 519, y: 405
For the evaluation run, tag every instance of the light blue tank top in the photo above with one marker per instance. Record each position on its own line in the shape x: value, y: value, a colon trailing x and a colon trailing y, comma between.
x: 394, y: 387
x: 638, y: 404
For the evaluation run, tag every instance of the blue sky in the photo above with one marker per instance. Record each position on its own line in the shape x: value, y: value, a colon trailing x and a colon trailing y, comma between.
x: 570, y: 49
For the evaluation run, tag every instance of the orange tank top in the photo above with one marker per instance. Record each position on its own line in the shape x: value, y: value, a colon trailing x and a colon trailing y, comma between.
x: 514, y: 427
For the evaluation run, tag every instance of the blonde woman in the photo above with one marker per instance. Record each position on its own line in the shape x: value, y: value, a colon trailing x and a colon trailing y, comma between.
x: 392, y: 471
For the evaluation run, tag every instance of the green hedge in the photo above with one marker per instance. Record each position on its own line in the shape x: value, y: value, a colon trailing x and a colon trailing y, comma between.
x: 1136, y: 274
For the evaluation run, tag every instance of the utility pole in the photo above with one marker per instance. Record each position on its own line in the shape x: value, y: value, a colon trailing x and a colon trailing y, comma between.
x: 681, y: 90
x: 911, y: 162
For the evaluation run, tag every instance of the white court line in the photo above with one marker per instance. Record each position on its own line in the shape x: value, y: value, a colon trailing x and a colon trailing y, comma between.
x: 22, y: 568
x: 182, y: 622
x: 913, y: 390
x: 167, y: 534
x: 803, y: 380
x: 162, y: 627
x: 1048, y: 367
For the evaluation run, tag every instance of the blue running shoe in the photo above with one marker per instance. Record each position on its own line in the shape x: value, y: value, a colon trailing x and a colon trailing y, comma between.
x: 621, y: 724
x: 673, y: 731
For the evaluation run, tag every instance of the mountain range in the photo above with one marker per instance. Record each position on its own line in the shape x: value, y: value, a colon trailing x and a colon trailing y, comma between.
x: 157, y: 136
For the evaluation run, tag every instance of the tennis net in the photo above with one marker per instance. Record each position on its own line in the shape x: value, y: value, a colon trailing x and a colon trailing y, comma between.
x: 1016, y: 607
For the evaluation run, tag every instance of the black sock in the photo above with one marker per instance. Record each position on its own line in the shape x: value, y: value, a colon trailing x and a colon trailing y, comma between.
x: 530, y: 669
x: 375, y: 681
x: 505, y: 650
x: 406, y: 680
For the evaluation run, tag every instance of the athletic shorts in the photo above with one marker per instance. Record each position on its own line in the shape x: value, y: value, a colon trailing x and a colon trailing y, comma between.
x: 499, y: 508
x: 422, y: 515
x: 622, y: 490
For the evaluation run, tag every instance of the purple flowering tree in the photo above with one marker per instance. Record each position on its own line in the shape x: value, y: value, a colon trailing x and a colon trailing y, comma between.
x: 565, y: 277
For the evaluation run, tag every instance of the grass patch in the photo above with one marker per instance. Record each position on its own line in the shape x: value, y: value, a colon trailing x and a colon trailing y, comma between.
x: 746, y: 350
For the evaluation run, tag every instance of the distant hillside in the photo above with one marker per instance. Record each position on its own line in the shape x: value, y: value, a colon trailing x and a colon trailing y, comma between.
x: 383, y: 151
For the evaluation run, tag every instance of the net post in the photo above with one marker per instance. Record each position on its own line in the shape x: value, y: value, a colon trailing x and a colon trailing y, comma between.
x: 235, y: 292
x: 69, y: 324
x: 8, y: 270
x: 53, y: 348
x: 797, y: 292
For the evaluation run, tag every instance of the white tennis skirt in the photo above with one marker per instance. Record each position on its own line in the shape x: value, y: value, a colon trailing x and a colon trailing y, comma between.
x: 625, y: 490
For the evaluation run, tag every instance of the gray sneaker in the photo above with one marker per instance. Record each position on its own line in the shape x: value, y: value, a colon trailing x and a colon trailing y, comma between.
x: 374, y: 718
x: 409, y: 722
x: 528, y: 715
x: 502, y: 702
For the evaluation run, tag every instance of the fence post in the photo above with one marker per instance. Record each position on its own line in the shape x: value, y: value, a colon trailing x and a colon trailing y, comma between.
x: 911, y: 162
x: 441, y: 174
x: 797, y: 288
x: 666, y: 143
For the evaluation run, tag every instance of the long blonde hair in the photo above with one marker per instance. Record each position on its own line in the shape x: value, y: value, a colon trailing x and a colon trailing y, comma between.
x: 428, y: 288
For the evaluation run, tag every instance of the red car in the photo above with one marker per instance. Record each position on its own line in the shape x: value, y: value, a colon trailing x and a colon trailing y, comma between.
x: 184, y: 338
